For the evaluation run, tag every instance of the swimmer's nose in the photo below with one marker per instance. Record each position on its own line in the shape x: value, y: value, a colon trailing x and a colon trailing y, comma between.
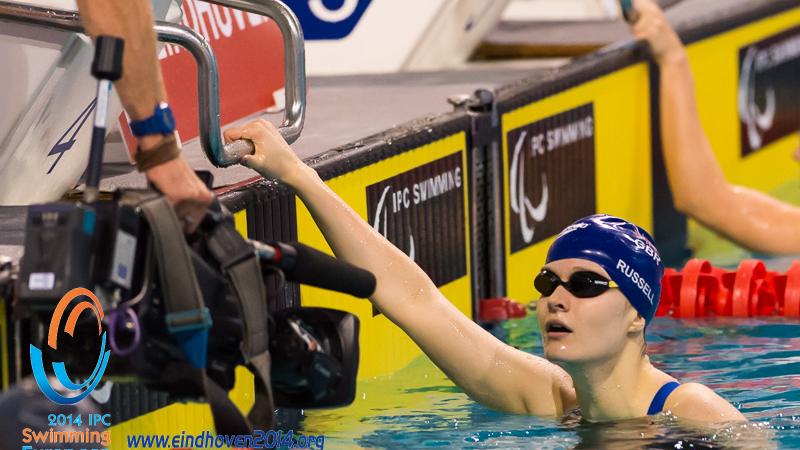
x: 559, y: 300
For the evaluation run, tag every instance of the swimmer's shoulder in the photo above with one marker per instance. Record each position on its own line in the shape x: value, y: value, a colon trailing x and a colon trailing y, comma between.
x: 695, y: 402
x: 554, y: 393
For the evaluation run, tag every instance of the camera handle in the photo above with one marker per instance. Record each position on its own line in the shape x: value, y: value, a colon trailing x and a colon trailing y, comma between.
x: 107, y: 68
x: 306, y: 265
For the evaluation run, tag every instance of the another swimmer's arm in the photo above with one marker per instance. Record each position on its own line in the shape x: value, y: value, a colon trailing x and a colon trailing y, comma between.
x: 749, y: 217
x: 698, y: 185
x: 487, y: 369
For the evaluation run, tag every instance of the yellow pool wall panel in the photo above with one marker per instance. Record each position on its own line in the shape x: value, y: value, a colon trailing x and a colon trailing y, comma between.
x: 623, y: 187
x: 715, y: 66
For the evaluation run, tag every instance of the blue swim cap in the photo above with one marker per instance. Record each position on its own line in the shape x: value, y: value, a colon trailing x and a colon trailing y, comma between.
x: 623, y: 249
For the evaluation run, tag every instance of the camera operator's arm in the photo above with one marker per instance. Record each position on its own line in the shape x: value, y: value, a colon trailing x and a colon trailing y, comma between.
x: 487, y: 369
x: 699, y: 187
x: 141, y: 89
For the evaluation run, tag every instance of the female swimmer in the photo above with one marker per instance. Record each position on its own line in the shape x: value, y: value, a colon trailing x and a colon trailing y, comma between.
x: 600, y: 289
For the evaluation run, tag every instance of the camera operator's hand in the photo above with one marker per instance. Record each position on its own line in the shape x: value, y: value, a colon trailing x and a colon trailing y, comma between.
x: 140, y: 89
x: 273, y: 157
x: 652, y: 26
x: 187, y: 193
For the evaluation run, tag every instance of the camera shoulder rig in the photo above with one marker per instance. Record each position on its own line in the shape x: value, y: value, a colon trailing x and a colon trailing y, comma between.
x: 188, y: 318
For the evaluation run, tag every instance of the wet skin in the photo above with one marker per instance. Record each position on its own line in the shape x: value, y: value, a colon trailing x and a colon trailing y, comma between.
x: 596, y: 328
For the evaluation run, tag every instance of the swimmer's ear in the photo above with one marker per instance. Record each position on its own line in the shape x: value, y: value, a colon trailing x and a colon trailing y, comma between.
x: 637, y: 326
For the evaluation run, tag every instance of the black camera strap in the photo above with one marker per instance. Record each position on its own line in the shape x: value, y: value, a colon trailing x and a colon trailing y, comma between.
x: 187, y: 317
x: 241, y: 265
x: 247, y: 282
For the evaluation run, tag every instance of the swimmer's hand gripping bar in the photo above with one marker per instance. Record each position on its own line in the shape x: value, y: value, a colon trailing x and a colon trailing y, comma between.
x: 631, y: 15
x: 628, y: 12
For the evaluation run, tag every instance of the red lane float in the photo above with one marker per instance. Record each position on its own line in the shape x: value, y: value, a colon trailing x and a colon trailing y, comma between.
x: 791, y: 297
x: 701, y: 289
x: 690, y: 293
x: 493, y: 310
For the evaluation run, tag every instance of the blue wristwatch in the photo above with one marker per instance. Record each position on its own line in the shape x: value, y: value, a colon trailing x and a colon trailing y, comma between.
x: 161, y: 122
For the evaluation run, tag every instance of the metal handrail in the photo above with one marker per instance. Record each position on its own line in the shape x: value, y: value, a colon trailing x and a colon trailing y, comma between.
x: 35, y: 15
x: 208, y: 75
x: 294, y: 56
x: 294, y: 70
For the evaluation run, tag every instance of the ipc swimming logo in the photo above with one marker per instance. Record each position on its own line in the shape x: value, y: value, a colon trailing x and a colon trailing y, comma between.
x: 520, y: 203
x: 756, y: 120
x: 328, y: 19
x: 382, y: 218
x: 37, y: 363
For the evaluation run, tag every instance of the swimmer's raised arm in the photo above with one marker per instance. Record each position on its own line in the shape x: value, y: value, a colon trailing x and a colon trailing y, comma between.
x: 698, y: 185
x: 488, y: 370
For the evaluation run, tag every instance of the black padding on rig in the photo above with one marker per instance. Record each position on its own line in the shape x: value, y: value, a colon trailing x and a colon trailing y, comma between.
x: 131, y: 400
x: 271, y: 216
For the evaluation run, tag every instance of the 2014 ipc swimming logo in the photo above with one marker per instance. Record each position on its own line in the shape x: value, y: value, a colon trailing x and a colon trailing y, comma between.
x: 37, y: 362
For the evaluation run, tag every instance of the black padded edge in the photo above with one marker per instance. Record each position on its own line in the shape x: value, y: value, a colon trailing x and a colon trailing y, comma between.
x: 580, y: 71
x: 702, y: 28
x: 392, y: 142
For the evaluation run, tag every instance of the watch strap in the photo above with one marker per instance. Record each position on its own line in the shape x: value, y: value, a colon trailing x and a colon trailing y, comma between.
x: 164, y: 152
x: 161, y: 122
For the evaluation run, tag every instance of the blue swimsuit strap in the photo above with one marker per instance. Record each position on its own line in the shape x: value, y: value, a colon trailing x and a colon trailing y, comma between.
x: 657, y: 405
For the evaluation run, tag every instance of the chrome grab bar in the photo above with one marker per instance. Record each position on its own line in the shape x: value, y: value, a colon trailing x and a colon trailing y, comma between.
x: 294, y: 60
x: 207, y: 88
x: 207, y: 72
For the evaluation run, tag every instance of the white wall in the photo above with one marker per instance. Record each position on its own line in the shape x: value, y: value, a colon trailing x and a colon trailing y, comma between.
x: 557, y: 10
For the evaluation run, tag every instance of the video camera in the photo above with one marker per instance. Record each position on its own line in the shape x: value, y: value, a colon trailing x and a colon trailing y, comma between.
x: 181, y: 313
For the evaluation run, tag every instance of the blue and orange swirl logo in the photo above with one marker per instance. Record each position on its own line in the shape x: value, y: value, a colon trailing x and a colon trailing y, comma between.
x: 37, y: 364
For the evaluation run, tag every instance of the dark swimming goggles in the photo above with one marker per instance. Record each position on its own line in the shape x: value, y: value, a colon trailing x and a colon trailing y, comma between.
x: 582, y: 284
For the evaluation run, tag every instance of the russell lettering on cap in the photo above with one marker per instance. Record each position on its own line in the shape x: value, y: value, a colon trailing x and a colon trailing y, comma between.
x: 638, y: 280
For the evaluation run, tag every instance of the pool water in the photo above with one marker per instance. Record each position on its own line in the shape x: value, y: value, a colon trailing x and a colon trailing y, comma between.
x: 755, y: 364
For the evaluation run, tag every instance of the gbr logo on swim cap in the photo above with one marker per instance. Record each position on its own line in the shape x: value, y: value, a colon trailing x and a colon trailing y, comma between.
x: 649, y: 249
x: 573, y: 227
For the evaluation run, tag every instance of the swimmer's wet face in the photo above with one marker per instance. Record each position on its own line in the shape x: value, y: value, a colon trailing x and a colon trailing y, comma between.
x: 797, y: 155
x: 579, y: 330
x: 597, y: 322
